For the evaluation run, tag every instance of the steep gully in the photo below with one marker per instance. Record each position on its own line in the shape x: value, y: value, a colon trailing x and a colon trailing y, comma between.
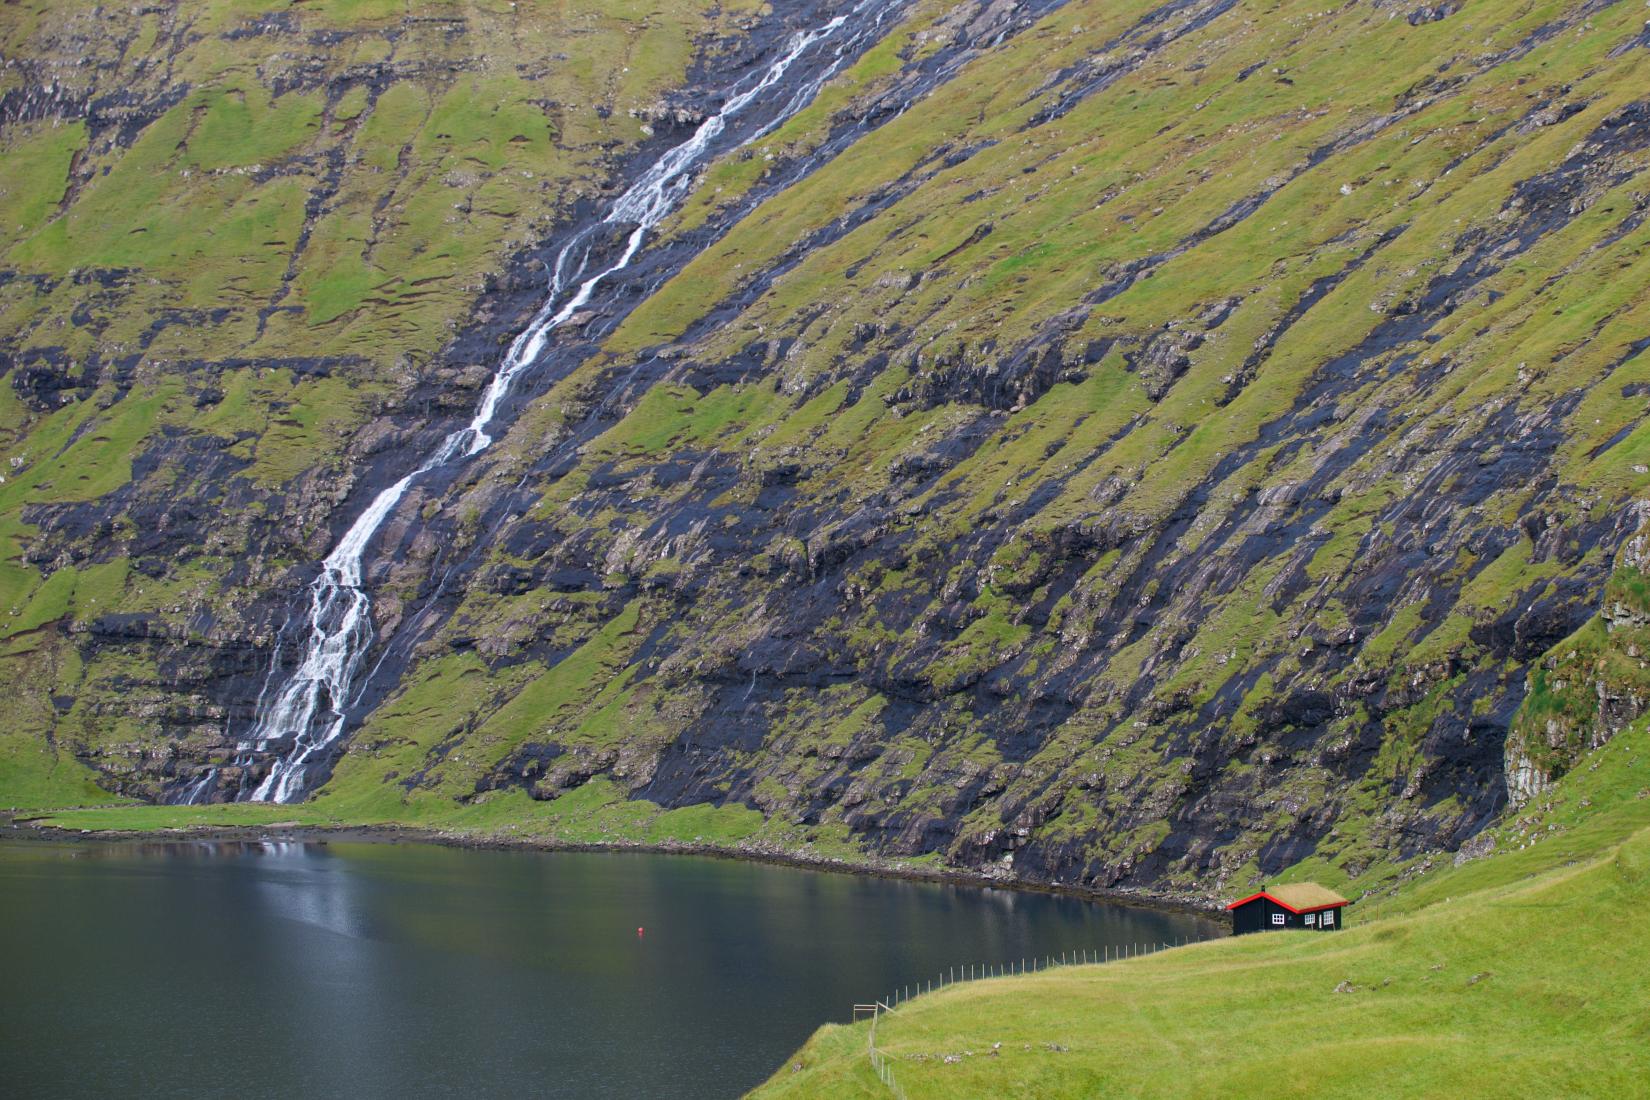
x: 304, y: 709
x: 304, y: 716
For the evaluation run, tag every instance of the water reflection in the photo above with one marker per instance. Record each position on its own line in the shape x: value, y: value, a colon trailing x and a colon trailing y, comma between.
x: 281, y: 968
x: 129, y: 850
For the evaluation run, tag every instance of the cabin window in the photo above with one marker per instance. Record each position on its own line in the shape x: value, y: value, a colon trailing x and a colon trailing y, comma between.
x: 1329, y: 918
x: 1311, y: 920
x: 1277, y: 918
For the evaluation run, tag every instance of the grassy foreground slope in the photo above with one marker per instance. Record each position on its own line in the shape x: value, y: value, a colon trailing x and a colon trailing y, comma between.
x: 1517, y: 974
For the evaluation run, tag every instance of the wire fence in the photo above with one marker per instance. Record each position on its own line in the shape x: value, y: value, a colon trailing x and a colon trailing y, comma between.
x: 882, y: 1063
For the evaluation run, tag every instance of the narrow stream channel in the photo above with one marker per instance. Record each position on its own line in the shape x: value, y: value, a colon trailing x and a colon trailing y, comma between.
x: 402, y: 970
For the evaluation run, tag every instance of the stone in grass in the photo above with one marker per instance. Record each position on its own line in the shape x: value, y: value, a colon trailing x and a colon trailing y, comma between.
x: 1345, y: 987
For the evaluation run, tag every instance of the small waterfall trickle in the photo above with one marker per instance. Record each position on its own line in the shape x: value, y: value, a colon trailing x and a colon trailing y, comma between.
x: 303, y: 716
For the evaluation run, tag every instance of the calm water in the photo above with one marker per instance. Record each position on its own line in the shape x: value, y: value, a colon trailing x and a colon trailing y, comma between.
x: 377, y: 970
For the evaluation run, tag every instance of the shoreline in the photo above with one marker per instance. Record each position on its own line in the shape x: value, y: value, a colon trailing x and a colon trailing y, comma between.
x: 23, y: 827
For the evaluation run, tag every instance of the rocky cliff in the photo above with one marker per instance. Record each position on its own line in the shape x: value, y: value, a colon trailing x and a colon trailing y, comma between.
x: 1124, y: 444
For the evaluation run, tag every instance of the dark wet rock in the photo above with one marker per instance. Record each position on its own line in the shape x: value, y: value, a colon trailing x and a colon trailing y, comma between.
x: 1430, y: 14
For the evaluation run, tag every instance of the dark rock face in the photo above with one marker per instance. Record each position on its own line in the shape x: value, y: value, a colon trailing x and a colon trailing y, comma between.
x: 1589, y: 684
x: 1432, y: 14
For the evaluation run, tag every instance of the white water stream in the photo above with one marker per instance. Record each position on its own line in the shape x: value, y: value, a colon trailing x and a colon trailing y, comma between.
x: 306, y: 713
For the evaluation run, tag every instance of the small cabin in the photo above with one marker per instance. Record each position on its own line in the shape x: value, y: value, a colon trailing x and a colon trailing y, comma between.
x: 1298, y: 905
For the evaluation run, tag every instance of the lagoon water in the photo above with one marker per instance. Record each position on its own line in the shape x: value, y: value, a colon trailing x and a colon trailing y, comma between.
x: 363, y: 970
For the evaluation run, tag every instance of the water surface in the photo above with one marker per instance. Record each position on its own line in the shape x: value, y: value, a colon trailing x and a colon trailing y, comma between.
x: 399, y: 970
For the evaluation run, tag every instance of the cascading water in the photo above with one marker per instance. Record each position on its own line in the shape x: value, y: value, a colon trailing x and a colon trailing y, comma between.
x: 304, y: 716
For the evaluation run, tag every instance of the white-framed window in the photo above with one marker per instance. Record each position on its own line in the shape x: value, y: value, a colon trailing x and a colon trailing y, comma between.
x: 1329, y: 918
x: 1277, y: 918
x: 1311, y: 919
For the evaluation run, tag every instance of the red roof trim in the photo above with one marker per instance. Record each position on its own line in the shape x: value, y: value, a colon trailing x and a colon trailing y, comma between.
x: 1291, y: 908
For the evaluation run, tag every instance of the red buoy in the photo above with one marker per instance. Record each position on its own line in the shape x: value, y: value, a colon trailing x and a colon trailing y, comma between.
x: 639, y: 932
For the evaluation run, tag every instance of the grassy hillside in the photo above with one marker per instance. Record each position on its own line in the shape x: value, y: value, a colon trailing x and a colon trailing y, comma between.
x: 1511, y: 975
x: 237, y: 238
x: 1154, y: 458
x: 1127, y: 445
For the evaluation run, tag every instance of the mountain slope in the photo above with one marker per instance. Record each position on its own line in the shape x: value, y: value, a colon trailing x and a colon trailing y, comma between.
x: 236, y: 241
x: 1134, y: 446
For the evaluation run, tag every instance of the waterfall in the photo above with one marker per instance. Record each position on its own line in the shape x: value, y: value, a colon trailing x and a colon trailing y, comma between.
x: 304, y: 716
